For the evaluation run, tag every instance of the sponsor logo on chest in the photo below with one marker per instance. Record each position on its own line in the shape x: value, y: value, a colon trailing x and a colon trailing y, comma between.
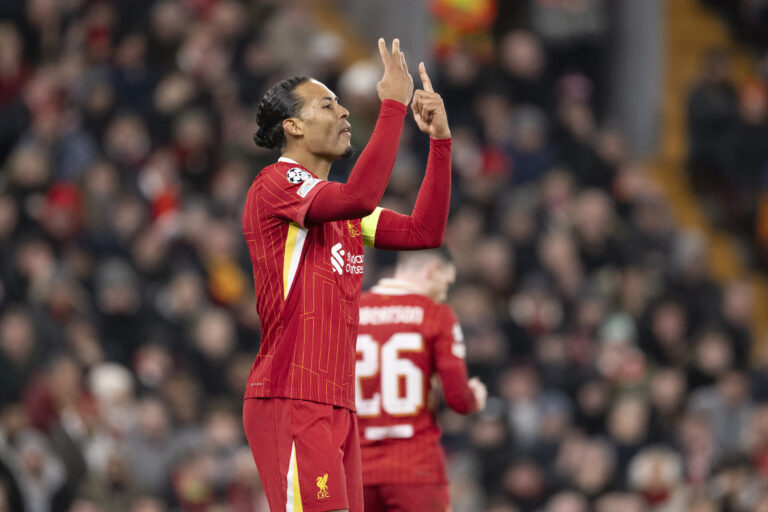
x: 344, y: 261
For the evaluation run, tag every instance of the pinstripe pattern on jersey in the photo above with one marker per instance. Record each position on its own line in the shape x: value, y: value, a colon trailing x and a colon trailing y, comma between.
x: 308, y: 312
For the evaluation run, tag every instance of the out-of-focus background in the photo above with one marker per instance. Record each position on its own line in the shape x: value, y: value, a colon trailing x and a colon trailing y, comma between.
x: 609, y: 221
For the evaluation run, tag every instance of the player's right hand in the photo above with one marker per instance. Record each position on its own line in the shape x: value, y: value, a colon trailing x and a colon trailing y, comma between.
x: 428, y: 109
x: 397, y: 82
x: 480, y: 392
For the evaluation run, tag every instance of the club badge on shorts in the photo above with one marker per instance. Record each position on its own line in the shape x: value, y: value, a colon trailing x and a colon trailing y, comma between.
x: 322, y: 484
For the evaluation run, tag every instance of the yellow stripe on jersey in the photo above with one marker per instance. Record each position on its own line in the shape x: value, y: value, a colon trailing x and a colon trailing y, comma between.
x: 293, y: 498
x: 294, y: 243
x: 369, y: 224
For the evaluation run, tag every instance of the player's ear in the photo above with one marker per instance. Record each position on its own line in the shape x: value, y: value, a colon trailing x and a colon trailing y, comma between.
x: 430, y: 269
x: 293, y: 126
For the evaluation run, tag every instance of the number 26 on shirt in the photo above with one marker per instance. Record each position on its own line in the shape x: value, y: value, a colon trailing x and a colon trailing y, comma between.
x: 392, y: 368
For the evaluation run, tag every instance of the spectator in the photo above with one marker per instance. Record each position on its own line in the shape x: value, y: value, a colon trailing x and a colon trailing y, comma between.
x: 727, y: 406
x: 567, y: 502
x: 712, y: 113
x: 38, y: 471
x: 628, y: 429
x: 151, y: 448
x: 20, y: 352
x: 656, y: 474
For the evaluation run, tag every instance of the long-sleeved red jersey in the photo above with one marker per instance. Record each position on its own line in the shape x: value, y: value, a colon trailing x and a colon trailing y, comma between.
x: 305, y: 238
x: 405, y: 338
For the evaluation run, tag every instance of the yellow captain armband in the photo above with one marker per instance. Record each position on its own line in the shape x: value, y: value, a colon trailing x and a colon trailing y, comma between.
x: 369, y: 224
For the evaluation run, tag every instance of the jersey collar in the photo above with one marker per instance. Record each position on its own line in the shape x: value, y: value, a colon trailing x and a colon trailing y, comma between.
x: 390, y: 286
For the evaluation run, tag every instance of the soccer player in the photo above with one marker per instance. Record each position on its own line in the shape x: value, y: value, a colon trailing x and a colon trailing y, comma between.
x: 305, y: 236
x: 406, y: 336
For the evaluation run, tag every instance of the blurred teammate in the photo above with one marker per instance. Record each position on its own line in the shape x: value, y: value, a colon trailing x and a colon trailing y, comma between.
x: 405, y: 337
x: 305, y: 236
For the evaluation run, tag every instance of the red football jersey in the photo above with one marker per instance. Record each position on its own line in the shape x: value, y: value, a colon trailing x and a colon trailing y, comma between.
x: 308, y: 282
x: 404, y: 338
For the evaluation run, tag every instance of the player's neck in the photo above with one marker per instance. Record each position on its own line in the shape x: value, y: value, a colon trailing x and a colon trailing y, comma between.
x: 320, y: 166
x: 413, y: 283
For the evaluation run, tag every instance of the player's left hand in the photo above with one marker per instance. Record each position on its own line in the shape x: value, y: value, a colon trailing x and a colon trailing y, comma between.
x: 428, y: 109
x: 480, y: 392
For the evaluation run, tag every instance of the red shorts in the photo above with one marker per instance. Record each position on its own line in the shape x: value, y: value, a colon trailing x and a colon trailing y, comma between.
x: 407, y: 498
x: 307, y: 454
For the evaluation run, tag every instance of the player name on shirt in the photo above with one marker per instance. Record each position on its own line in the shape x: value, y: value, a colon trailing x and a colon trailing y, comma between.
x: 391, y: 315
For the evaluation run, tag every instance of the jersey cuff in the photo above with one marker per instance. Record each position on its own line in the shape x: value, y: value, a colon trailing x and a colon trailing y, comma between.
x: 368, y: 225
x: 390, y: 107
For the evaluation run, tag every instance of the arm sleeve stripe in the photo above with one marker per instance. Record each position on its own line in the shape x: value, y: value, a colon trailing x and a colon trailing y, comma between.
x: 369, y: 224
x: 294, y: 243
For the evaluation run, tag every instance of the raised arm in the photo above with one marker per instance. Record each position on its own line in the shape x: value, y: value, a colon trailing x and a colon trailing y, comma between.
x: 362, y: 192
x: 425, y: 227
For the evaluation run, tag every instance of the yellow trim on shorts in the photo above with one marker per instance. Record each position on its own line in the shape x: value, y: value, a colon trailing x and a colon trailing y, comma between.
x: 293, y: 498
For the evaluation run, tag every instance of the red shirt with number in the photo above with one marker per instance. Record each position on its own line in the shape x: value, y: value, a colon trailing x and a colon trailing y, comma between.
x: 404, y: 338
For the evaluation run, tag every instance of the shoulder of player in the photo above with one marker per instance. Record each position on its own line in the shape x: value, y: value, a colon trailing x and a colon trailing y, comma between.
x: 273, y: 167
x: 442, y: 314
x: 264, y: 173
x: 434, y: 306
x: 273, y: 170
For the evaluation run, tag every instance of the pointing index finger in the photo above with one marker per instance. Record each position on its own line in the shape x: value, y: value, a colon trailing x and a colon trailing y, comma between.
x: 425, y: 81
x: 385, y: 57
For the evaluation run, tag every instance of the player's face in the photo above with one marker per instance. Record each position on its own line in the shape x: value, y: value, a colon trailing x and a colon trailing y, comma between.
x: 443, y: 276
x: 326, y: 129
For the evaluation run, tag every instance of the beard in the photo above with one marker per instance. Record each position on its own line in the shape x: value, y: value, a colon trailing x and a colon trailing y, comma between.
x: 349, y: 153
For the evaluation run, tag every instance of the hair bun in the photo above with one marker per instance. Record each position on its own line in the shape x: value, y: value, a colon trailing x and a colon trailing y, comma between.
x: 262, y: 138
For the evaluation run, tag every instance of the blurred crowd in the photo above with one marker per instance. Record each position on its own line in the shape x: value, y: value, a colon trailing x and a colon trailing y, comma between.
x: 747, y: 19
x: 727, y: 129
x: 623, y: 378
